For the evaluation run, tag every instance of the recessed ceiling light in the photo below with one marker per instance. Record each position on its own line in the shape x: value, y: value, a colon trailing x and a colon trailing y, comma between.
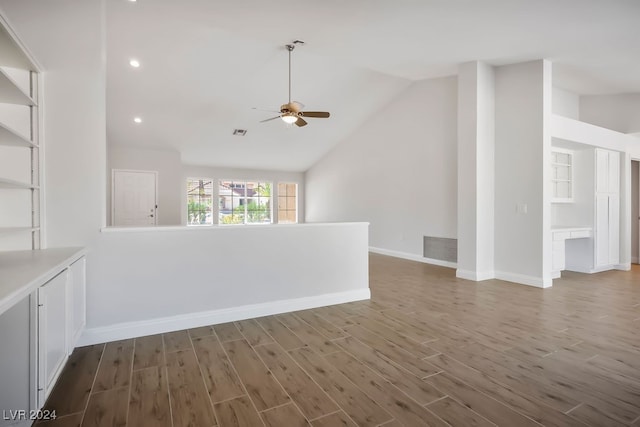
x: 137, y: 119
x: 134, y: 63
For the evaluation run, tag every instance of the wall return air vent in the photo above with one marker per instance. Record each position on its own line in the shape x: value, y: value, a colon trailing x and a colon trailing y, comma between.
x: 240, y: 132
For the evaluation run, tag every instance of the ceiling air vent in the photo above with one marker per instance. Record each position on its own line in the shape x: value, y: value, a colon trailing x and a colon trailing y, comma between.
x: 240, y: 132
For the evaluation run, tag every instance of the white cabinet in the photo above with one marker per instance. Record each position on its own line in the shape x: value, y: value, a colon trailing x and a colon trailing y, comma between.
x: 607, y: 171
x: 52, y: 332
x: 607, y: 209
x: 42, y: 313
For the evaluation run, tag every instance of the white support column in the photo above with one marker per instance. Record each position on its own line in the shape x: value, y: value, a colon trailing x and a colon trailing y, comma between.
x: 476, y: 140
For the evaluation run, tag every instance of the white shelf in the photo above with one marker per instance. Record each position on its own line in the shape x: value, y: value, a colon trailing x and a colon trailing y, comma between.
x: 17, y: 229
x: 10, y: 137
x: 9, y: 183
x: 12, y: 53
x: 10, y: 93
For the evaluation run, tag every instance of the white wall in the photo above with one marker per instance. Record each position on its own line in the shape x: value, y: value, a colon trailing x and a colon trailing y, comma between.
x: 280, y: 268
x: 635, y: 215
x: 169, y: 168
x: 617, y: 112
x: 522, y: 191
x: 398, y: 171
x: 67, y: 38
x: 218, y: 173
x: 565, y: 103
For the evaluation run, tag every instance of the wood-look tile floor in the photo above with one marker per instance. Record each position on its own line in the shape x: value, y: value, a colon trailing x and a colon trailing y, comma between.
x: 427, y: 349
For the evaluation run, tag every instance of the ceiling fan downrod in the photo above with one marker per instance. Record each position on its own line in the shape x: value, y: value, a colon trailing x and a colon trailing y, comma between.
x: 290, y: 48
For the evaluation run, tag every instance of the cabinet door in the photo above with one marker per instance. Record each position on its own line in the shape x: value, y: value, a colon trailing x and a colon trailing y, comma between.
x: 52, y: 332
x: 77, y: 299
x: 602, y: 171
x: 602, y: 230
x: 613, y: 172
x: 614, y: 229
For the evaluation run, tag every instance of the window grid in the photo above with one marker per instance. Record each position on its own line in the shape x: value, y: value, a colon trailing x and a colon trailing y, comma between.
x: 287, y: 203
x: 199, y: 201
x: 244, y: 202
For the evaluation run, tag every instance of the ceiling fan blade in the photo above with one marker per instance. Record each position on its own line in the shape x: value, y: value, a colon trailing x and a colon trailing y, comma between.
x: 268, y: 120
x: 300, y: 122
x: 316, y: 114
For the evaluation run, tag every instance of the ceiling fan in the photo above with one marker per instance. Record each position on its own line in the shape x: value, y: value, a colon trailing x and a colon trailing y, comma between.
x: 291, y: 112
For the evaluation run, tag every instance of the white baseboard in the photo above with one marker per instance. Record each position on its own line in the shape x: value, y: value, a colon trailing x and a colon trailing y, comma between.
x: 624, y: 267
x: 556, y: 274
x: 193, y: 320
x: 412, y: 257
x: 476, y: 276
x: 522, y: 279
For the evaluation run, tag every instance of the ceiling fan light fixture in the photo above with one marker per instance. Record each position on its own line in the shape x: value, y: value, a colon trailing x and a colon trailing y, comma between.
x: 289, y: 118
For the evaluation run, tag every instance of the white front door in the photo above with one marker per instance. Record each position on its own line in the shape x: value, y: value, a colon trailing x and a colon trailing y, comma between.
x: 134, y: 198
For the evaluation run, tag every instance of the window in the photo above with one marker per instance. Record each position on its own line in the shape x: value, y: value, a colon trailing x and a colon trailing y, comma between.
x: 287, y: 203
x: 199, y: 201
x: 244, y: 202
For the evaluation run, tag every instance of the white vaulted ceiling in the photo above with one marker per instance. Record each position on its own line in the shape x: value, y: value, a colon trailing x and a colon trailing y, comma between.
x: 206, y: 63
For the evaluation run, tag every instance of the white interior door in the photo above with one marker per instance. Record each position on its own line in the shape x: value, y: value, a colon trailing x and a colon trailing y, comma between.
x: 134, y: 198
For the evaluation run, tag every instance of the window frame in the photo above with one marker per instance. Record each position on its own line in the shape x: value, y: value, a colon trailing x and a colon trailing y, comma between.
x: 213, y: 194
x: 296, y: 201
x: 246, y: 199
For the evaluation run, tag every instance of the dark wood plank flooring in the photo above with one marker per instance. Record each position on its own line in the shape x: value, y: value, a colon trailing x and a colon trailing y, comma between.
x: 427, y: 349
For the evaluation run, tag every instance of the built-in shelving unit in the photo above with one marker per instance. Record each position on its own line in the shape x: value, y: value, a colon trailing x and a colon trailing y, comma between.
x: 20, y: 193
x: 562, y: 176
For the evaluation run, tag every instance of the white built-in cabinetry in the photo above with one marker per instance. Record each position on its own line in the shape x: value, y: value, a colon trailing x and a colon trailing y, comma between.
x: 42, y: 312
x: 596, y: 206
x: 19, y: 147
x: 42, y: 291
x: 607, y: 209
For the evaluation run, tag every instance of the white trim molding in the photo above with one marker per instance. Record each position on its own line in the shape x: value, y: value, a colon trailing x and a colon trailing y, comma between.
x: 194, y: 320
x: 412, y: 257
x: 624, y: 266
x: 476, y: 276
x: 522, y: 279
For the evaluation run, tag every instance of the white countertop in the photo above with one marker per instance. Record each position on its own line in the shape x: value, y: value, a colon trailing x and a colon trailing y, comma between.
x: 21, y: 272
x: 569, y: 228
